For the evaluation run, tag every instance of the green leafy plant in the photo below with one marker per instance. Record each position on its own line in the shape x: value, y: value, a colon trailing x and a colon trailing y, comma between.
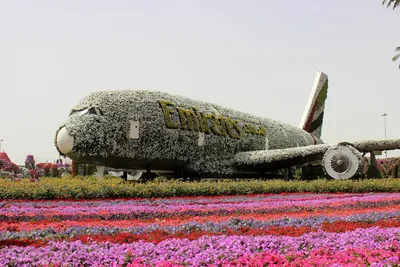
x: 395, y: 57
x: 90, y: 187
x: 388, y: 3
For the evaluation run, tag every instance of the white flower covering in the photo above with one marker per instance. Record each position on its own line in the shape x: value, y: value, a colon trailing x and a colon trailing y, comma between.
x: 371, y: 145
x: 100, y: 137
x: 279, y: 155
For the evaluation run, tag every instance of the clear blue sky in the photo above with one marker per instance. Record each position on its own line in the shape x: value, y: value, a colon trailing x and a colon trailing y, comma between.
x: 259, y: 57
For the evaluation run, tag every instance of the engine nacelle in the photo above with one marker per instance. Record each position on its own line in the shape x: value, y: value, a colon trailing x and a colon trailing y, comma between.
x: 342, y: 162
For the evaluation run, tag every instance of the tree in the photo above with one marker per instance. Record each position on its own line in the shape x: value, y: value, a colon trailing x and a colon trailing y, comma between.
x: 397, y: 55
x: 395, y: 3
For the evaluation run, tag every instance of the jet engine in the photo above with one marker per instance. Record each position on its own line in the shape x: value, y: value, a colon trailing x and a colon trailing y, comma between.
x: 342, y: 161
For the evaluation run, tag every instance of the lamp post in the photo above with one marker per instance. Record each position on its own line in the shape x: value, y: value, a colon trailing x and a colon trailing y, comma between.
x: 384, y: 115
x: 1, y: 140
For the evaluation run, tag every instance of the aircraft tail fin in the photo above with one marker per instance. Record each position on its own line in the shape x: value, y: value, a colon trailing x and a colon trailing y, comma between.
x: 313, y: 115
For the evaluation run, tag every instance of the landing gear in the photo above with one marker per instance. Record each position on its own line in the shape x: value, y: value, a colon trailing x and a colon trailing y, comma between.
x: 311, y: 172
x: 139, y: 176
x: 148, y: 176
x: 145, y: 175
x: 288, y: 173
x: 100, y: 171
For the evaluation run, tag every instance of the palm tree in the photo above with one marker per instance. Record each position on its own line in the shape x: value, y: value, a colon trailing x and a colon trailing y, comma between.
x: 395, y: 3
x: 397, y: 55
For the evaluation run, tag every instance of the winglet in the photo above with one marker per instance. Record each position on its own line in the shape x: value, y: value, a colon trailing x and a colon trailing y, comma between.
x: 314, y: 112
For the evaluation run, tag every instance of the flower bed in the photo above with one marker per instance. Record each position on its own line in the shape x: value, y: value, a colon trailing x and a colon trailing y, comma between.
x: 300, y: 229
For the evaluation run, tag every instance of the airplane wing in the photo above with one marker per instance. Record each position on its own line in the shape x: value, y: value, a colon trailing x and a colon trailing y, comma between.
x: 265, y: 160
x: 341, y: 161
x: 376, y: 145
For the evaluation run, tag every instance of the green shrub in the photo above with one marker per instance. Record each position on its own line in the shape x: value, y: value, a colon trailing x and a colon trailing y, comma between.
x: 91, y: 187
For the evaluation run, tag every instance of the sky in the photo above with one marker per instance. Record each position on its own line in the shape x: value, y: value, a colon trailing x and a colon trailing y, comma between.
x: 259, y: 57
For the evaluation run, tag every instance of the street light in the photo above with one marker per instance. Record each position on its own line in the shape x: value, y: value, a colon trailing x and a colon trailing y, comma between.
x: 384, y: 115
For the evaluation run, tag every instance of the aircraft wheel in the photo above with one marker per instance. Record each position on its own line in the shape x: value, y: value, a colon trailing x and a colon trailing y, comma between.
x: 134, y: 176
x: 166, y: 176
x: 342, y: 162
x: 145, y: 176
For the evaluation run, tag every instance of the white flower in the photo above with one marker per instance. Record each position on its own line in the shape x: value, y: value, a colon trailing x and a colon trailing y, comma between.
x: 103, y: 131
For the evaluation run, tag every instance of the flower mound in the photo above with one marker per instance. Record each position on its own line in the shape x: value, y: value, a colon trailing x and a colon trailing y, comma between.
x: 253, y: 230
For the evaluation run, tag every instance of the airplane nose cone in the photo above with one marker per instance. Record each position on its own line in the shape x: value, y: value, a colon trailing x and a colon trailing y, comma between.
x: 65, y: 142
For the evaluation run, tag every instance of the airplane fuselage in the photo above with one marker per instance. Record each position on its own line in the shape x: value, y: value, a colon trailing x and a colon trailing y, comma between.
x: 154, y: 130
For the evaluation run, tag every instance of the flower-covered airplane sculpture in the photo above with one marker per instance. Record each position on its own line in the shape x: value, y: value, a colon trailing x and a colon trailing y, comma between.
x: 150, y: 131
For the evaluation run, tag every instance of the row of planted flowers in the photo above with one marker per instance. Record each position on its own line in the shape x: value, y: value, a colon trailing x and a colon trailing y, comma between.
x: 284, y: 229
x: 130, y: 209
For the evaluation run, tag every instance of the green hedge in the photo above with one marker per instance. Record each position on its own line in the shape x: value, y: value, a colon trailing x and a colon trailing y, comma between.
x: 94, y: 188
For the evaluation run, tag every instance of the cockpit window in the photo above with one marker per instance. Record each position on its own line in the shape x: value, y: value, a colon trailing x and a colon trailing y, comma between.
x: 83, y: 112
x: 86, y: 111
x: 99, y: 112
